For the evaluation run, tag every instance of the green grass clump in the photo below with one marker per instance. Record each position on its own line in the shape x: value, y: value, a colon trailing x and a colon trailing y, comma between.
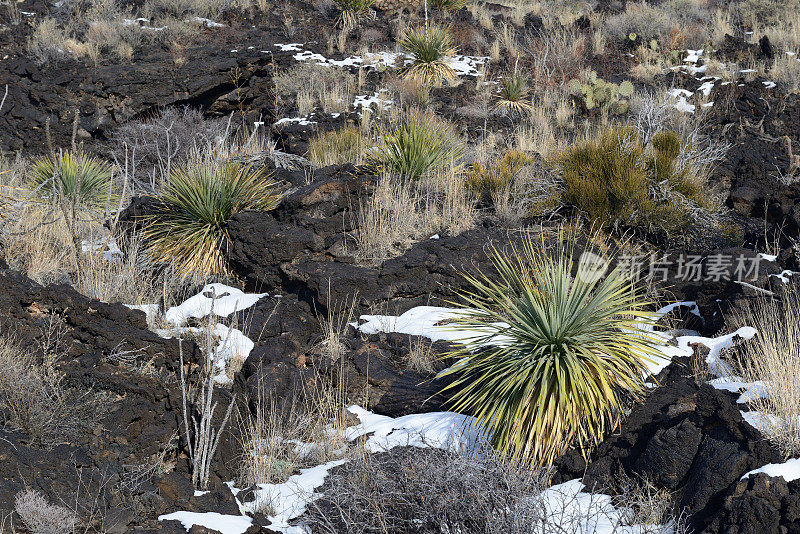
x: 429, y: 47
x: 416, y: 143
x: 336, y: 147
x: 75, y: 177
x: 196, y: 205
x: 619, y: 183
x: 449, y: 5
x: 487, y: 178
x: 552, y: 352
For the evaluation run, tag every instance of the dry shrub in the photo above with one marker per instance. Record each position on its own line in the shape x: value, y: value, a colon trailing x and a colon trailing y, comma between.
x: 558, y: 54
x: 772, y: 358
x: 171, y: 137
x: 33, y: 396
x: 41, y: 517
x: 412, y: 490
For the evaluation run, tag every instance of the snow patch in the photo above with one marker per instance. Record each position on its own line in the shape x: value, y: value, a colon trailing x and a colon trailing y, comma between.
x: 226, y: 524
x: 789, y: 470
x: 227, y: 300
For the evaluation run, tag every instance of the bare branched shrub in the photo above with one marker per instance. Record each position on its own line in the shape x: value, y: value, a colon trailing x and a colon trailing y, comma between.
x: 155, y: 145
x: 33, y: 396
x: 425, y: 491
x: 41, y: 517
x: 772, y: 360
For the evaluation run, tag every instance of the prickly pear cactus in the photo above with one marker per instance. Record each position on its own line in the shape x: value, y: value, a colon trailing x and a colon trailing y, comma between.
x: 598, y: 93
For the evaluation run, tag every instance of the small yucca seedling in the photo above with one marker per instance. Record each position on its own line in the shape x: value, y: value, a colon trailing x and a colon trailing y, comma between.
x: 416, y: 143
x: 75, y: 177
x: 352, y: 10
x: 196, y: 205
x: 430, y: 47
x: 552, y: 351
x: 513, y: 95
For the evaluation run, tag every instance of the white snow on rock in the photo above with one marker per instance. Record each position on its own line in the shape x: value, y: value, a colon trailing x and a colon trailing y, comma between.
x: 462, y: 65
x: 302, y: 121
x: 763, y: 422
x: 227, y: 301
x: 289, y: 499
x: 441, y: 430
x: 749, y: 390
x: 567, y: 508
x: 227, y: 524
x: 423, y: 321
x: 789, y: 470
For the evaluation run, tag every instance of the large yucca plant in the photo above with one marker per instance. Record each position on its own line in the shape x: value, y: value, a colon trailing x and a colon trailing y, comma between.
x: 416, y: 143
x: 430, y: 48
x: 196, y: 205
x: 74, y: 177
x: 552, y: 351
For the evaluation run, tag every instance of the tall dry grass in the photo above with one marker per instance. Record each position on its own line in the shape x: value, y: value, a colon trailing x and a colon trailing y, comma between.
x: 402, y: 211
x: 772, y: 359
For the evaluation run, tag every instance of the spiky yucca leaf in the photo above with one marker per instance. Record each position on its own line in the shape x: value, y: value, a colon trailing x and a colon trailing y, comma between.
x: 74, y: 177
x: 551, y: 352
x: 415, y: 143
x: 430, y: 47
x: 513, y: 95
x: 196, y: 205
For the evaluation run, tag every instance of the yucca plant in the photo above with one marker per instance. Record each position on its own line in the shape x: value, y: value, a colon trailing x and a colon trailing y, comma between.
x: 352, y: 10
x: 552, y: 351
x: 196, y: 205
x: 416, y: 143
x: 513, y: 95
x: 430, y: 48
x: 74, y: 177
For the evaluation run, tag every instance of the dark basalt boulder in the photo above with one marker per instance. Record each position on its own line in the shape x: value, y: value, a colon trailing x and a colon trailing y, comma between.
x: 90, y: 328
x: 759, y: 503
x: 686, y: 437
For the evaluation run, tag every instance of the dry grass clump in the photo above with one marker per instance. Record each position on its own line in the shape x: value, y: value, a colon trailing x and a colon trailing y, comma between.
x: 338, y: 146
x: 401, y: 212
x: 558, y: 54
x: 772, y: 360
x: 309, y: 86
x: 673, y: 24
